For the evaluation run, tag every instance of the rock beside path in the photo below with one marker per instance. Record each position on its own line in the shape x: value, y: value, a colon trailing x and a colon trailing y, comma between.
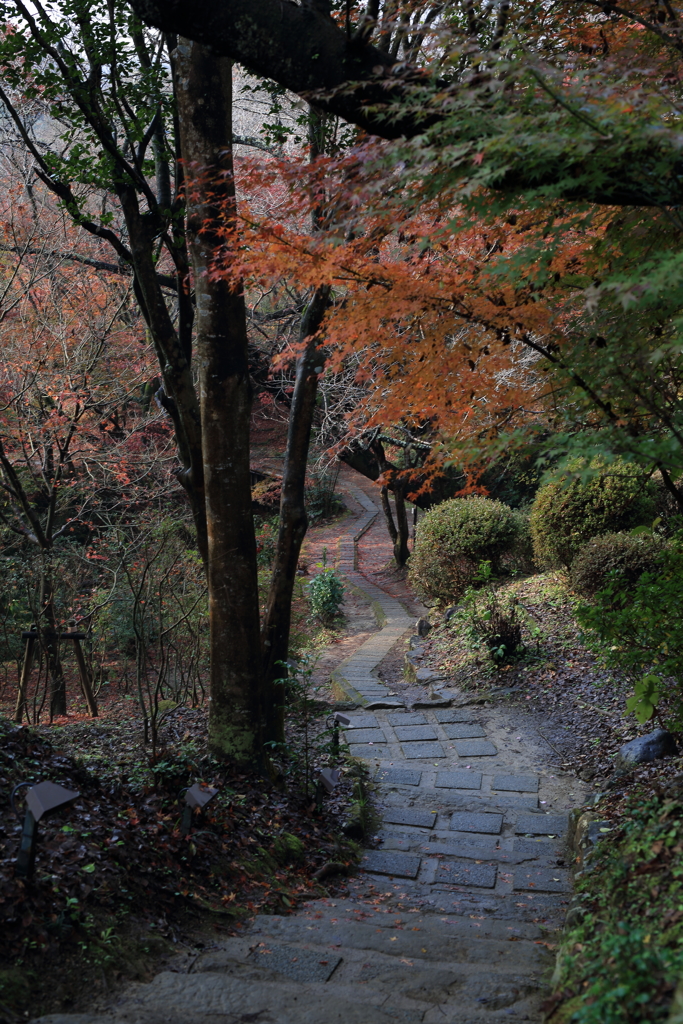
x: 651, y: 747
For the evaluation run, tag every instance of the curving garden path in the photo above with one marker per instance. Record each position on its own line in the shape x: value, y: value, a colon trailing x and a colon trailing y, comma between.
x: 453, y: 915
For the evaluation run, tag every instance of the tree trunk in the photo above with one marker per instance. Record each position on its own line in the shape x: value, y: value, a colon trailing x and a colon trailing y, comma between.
x: 388, y: 514
x: 401, y: 551
x: 293, y: 519
x: 204, y: 96
x: 180, y: 397
x: 49, y: 639
x: 399, y: 530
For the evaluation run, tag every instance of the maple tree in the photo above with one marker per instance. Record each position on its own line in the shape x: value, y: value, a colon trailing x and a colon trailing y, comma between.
x: 589, y: 289
x: 79, y: 441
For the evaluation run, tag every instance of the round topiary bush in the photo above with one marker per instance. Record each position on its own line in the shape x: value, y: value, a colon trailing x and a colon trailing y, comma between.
x: 452, y: 540
x: 564, y: 517
x: 620, y: 553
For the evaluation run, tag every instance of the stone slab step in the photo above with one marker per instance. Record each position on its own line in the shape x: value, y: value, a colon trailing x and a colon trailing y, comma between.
x: 409, y: 816
x: 448, y: 939
x: 398, y: 777
x: 208, y: 998
x: 425, y: 984
x: 481, y: 875
x: 415, y: 732
x: 473, y: 821
x: 541, y: 824
x: 426, y: 750
x: 365, y: 736
x: 396, y: 865
x: 464, y: 731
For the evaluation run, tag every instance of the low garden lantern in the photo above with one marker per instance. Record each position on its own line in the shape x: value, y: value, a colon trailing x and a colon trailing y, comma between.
x: 338, y: 719
x: 328, y: 780
x: 196, y: 797
x: 41, y: 800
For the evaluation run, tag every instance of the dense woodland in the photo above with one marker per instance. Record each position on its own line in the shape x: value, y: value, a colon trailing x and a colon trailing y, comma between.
x: 443, y: 241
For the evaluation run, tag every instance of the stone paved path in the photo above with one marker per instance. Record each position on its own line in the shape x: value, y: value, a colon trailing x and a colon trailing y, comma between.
x: 355, y: 678
x: 452, y: 918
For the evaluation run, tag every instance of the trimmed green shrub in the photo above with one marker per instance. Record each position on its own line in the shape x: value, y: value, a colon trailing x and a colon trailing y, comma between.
x: 325, y: 595
x: 639, y: 630
x: 622, y: 554
x: 454, y: 538
x: 566, y: 515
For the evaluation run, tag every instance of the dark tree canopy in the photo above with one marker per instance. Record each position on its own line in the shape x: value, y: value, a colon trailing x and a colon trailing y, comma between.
x: 487, y: 77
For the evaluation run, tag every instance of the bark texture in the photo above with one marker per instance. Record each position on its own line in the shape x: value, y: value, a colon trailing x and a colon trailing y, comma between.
x: 293, y: 519
x: 204, y: 92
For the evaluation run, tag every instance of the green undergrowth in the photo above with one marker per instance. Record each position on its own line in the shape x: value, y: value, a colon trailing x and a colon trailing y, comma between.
x: 622, y: 962
x: 545, y: 611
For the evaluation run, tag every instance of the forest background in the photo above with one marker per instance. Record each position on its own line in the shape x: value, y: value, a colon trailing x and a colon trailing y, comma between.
x: 471, y: 234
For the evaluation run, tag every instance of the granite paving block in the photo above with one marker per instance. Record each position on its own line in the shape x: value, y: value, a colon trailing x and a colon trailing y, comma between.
x: 362, y: 722
x: 416, y: 732
x: 476, y: 848
x: 401, y: 841
x: 534, y: 849
x: 474, y: 821
x: 458, y: 780
x: 452, y: 715
x: 464, y: 731
x: 399, y: 776
x: 365, y: 736
x: 296, y: 963
x: 407, y: 718
x: 481, y: 875
x: 540, y: 825
x: 474, y: 748
x: 541, y: 880
x: 408, y: 816
x: 366, y: 750
x: 386, y: 702
x: 525, y: 801
x: 427, y: 750
x: 398, y: 864
x: 516, y: 783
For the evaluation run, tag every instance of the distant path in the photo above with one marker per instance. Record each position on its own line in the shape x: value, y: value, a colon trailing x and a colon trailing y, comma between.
x: 355, y: 679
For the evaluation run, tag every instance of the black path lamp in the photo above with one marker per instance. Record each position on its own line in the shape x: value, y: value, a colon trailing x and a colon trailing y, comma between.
x: 338, y: 719
x: 41, y: 801
x: 328, y: 780
x: 196, y: 796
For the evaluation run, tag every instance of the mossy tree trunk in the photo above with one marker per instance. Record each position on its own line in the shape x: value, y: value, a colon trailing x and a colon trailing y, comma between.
x: 204, y: 95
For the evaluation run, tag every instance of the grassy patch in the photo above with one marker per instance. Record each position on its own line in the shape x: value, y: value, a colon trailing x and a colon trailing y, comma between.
x: 549, y: 631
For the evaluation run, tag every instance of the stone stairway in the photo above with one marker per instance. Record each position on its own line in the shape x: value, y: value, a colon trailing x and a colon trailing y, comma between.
x: 454, y: 912
x: 451, y: 919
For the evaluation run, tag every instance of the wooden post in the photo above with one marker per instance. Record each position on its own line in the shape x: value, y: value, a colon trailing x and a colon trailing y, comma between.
x: 85, y: 675
x: 29, y: 653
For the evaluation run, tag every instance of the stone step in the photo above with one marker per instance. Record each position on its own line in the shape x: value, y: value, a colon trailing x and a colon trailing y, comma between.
x: 217, y: 998
x: 354, y: 922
